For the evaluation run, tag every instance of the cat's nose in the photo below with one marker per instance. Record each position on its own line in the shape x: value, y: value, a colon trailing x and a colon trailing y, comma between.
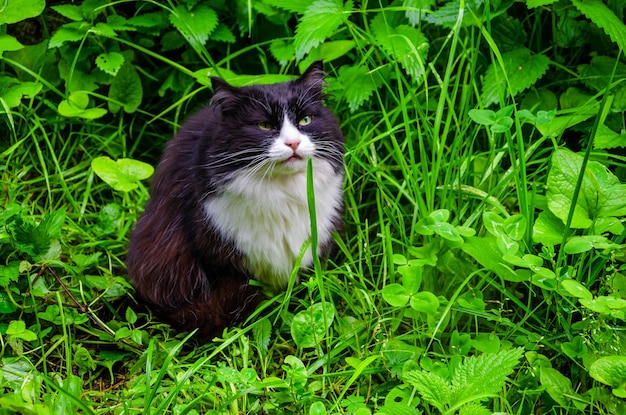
x: 293, y: 144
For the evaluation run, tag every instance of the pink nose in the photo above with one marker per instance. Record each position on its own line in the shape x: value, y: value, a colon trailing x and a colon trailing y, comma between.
x: 293, y: 144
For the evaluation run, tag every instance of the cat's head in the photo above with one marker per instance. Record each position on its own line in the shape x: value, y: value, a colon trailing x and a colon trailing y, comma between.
x: 273, y: 129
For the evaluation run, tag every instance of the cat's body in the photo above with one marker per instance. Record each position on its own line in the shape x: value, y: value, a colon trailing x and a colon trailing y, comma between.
x: 229, y: 202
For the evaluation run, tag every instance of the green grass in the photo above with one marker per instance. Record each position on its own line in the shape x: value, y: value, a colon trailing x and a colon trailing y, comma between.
x: 464, y: 283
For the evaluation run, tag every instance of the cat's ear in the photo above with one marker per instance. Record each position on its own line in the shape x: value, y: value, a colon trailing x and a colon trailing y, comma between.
x: 224, y: 94
x: 313, y: 77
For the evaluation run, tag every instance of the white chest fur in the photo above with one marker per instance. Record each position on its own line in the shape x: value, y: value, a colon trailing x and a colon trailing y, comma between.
x: 268, y: 218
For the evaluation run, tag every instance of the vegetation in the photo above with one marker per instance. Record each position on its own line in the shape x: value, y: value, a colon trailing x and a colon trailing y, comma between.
x: 481, y: 269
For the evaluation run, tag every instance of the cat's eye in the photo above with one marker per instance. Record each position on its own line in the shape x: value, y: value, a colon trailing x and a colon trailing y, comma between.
x: 306, y: 120
x: 265, y: 126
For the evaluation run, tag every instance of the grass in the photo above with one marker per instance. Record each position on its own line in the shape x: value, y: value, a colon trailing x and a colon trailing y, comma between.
x: 443, y: 297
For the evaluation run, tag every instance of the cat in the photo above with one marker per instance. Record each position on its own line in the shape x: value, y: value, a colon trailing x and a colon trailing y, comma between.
x: 228, y: 202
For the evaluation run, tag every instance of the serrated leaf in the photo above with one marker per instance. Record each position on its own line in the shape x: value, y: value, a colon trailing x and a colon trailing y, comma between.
x: 110, y: 62
x: 282, y: 51
x: 196, y: 25
x: 606, y: 138
x: 357, y: 84
x: 294, y: 6
x: 432, y: 388
x: 13, y: 11
x: 483, y: 375
x: 417, y: 9
x: 70, y: 32
x: 71, y: 11
x: 522, y: 70
x: 604, y: 18
x: 126, y: 90
x: 223, y: 34
x: 52, y: 222
x: 404, y: 44
x: 538, y: 3
x: 29, y: 239
x: 320, y: 20
x: 122, y: 174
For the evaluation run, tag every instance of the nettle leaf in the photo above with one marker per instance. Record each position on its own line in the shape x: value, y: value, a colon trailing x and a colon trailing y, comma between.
x: 361, y: 85
x: 110, y: 62
x: 123, y: 174
x: 70, y: 32
x: 604, y: 18
x: 196, y: 25
x: 416, y: 10
x: 13, y: 11
x: 522, y: 70
x: 601, y: 193
x: 320, y: 20
x: 282, y: 51
x: 294, y: 6
x: 309, y: 326
x: 403, y: 43
x: 71, y: 11
x: 480, y: 376
x: 434, y: 389
x: 126, y: 90
x: 262, y: 332
x: 606, y: 138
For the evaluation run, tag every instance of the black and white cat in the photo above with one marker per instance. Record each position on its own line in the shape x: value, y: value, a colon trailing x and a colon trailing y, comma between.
x: 229, y: 202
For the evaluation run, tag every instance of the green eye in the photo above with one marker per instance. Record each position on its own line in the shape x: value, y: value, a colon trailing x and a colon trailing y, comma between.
x: 265, y: 126
x: 306, y: 120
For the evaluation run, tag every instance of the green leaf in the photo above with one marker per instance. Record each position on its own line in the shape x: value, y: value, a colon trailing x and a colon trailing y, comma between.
x: 604, y: 18
x: 17, y: 329
x: 317, y: 408
x: 432, y: 388
x: 417, y: 9
x: 425, y: 302
x: 70, y: 32
x: 9, y: 273
x: 404, y: 44
x: 610, y: 370
x: 601, y: 193
x: 262, y: 332
x: 126, y: 90
x: 71, y: 11
x: 123, y: 174
x: 196, y: 25
x: 9, y: 43
x: 606, y: 138
x: 558, y: 386
x: 484, y: 375
x: 575, y: 349
x: 294, y: 6
x: 76, y: 106
x: 486, y: 252
x: 282, y: 51
x: 110, y: 62
x: 309, y: 326
x: 6, y: 305
x: 13, y: 11
x: 320, y: 20
x: 483, y: 117
x: 13, y: 91
x: 396, y: 295
x: 520, y: 68
x: 576, y: 289
x: 548, y: 229
x: 357, y: 84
